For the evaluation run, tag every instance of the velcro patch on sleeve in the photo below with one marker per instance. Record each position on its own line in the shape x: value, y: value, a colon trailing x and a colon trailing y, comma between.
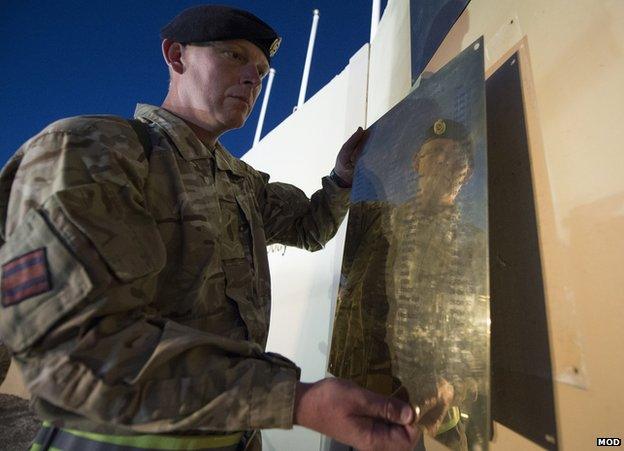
x: 24, y: 277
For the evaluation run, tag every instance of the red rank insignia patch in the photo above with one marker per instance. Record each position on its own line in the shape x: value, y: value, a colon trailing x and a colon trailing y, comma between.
x: 24, y: 277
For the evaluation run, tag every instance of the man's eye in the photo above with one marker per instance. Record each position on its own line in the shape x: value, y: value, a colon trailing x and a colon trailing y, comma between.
x: 233, y: 54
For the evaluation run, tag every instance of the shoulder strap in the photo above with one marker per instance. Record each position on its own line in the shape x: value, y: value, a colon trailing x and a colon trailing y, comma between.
x: 142, y: 131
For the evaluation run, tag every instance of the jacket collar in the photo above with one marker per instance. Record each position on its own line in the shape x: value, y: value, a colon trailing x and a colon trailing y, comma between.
x: 186, y: 141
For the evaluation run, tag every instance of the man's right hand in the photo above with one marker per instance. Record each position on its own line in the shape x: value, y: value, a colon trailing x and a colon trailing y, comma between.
x: 355, y: 416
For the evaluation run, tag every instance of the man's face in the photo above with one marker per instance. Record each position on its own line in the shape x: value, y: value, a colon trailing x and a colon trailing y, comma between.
x: 221, y: 82
x: 443, y: 168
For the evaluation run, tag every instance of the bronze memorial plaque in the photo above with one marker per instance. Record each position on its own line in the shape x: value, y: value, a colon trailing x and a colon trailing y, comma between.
x: 412, y: 316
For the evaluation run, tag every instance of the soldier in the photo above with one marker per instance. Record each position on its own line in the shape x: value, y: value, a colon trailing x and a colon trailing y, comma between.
x: 135, y: 291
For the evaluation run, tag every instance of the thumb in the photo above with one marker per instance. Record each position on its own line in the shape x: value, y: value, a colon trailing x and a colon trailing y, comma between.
x: 356, y: 136
x: 352, y: 143
x: 399, y: 412
x: 391, y: 410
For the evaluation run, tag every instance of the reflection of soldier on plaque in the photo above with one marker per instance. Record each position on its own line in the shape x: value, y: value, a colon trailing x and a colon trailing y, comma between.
x: 409, y: 291
x: 435, y: 285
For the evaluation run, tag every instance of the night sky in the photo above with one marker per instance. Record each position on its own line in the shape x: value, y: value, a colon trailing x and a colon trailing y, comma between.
x: 70, y: 57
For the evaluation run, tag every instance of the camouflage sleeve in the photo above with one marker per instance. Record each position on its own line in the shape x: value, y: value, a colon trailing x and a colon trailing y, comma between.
x: 292, y: 219
x: 79, y: 272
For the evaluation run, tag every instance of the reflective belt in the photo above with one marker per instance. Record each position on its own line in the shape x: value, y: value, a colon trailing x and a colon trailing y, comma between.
x: 54, y: 439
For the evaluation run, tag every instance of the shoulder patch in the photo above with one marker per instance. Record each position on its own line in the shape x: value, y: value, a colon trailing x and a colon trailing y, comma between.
x: 24, y: 277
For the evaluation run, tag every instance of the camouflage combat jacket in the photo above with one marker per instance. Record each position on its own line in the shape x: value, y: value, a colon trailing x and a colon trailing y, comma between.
x: 136, y: 292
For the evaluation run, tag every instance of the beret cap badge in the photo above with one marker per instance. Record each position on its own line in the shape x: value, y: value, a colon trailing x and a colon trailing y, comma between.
x: 447, y: 129
x: 275, y: 46
x: 439, y: 127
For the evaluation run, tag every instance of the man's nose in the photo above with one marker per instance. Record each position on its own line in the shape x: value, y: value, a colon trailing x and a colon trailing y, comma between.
x: 250, y: 75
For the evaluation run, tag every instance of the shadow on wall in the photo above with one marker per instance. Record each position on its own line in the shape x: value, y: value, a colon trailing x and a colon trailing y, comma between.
x: 520, y: 349
x: 450, y: 47
x: 430, y: 24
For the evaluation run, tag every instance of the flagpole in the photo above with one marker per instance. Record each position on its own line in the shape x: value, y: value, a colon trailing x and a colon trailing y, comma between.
x: 265, y: 102
x: 375, y: 18
x: 308, y: 61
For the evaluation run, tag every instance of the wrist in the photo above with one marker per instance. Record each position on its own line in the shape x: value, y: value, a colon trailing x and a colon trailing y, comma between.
x: 301, y: 398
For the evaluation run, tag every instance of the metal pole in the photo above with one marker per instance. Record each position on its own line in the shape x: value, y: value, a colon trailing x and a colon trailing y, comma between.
x: 308, y: 61
x: 265, y: 102
x: 375, y: 18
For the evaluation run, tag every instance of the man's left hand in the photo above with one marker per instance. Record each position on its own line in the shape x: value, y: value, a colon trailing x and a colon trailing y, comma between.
x: 348, y: 155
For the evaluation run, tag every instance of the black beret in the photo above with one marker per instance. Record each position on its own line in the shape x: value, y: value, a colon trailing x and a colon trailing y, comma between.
x: 207, y: 23
x: 449, y: 129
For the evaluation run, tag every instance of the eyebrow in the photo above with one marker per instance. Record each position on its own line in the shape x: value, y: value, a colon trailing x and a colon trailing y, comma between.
x: 243, y: 50
x: 232, y: 45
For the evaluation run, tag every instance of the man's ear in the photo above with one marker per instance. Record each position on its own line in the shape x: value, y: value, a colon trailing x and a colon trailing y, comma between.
x: 172, y: 52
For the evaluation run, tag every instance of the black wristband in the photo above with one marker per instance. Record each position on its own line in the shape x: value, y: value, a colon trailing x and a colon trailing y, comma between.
x: 338, y: 181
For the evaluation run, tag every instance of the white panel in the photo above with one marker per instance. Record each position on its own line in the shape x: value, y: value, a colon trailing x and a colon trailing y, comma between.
x: 301, y: 151
x: 355, y: 117
x: 390, y: 60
